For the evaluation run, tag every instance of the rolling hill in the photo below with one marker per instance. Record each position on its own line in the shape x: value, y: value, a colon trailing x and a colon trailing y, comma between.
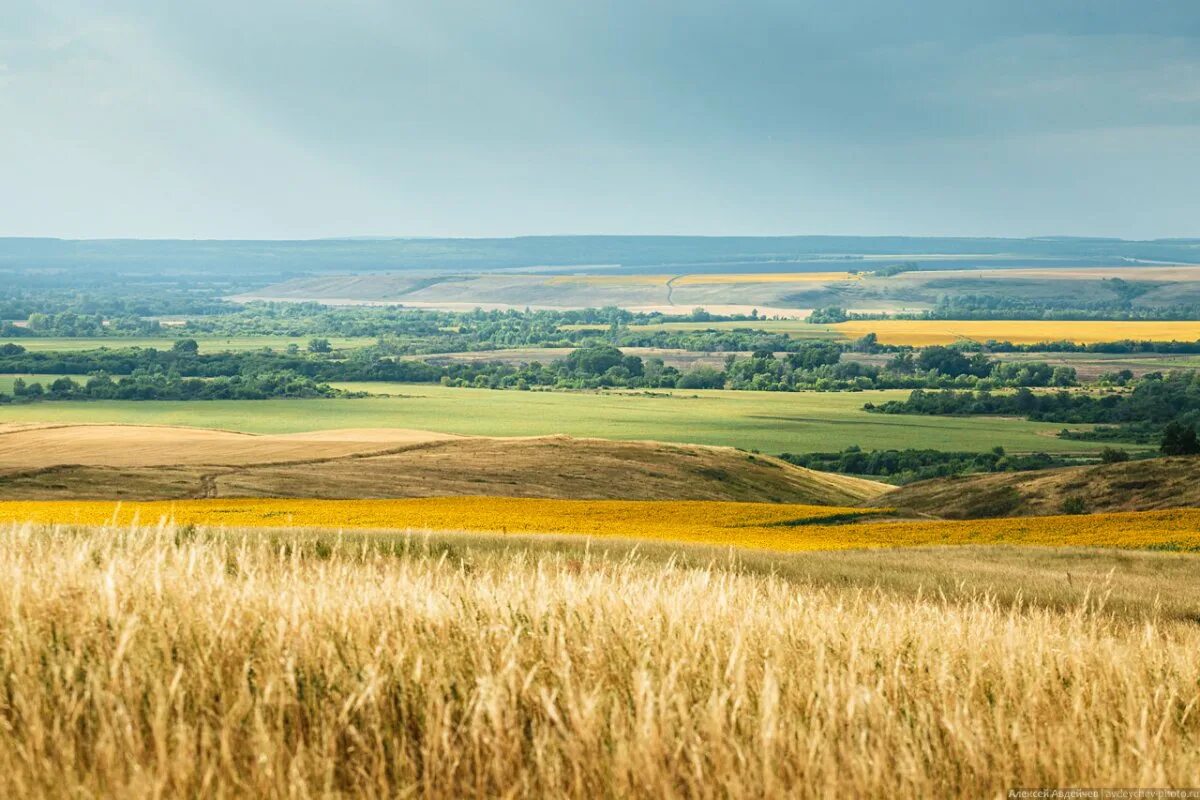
x: 145, y: 462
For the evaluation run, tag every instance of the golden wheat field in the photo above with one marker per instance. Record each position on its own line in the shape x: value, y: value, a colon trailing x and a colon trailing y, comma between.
x: 160, y: 662
x: 769, y: 526
x: 920, y: 333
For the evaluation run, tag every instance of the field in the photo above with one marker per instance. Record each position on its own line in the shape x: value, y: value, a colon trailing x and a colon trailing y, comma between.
x: 715, y: 279
x: 36, y: 446
x: 772, y: 422
x: 929, y: 332
x: 766, y: 526
x: 776, y: 288
x: 208, y: 344
x: 173, y: 663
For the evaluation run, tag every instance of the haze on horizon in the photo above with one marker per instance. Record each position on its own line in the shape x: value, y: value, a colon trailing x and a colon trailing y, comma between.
x: 301, y: 120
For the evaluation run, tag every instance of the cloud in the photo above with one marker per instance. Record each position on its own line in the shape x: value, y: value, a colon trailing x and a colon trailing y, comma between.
x: 310, y: 118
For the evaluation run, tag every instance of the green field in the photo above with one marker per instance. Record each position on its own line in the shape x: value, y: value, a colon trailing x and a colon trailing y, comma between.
x: 795, y: 328
x: 208, y: 344
x: 772, y: 422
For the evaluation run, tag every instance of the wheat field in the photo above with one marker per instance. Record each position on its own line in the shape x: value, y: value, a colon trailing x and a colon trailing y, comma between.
x: 168, y: 662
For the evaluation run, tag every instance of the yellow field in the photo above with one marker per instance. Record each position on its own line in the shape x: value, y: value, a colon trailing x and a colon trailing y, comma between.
x: 743, y: 524
x: 928, y: 332
x: 766, y: 526
x: 764, y: 277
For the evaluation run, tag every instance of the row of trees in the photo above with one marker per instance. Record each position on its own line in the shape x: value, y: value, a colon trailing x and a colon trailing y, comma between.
x: 143, y: 386
x: 1163, y: 408
x: 809, y: 365
x: 906, y: 466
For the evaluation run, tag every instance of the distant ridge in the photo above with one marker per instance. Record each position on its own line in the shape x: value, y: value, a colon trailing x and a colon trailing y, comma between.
x: 629, y: 253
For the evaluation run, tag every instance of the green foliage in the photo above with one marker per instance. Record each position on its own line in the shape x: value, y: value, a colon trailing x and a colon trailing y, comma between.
x: 829, y: 315
x: 261, y: 386
x: 906, y: 466
x: 1113, y: 455
x: 1155, y: 399
x: 1179, y: 439
x: 1073, y: 505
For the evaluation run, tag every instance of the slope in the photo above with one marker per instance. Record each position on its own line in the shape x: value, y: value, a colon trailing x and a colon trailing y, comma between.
x: 1130, y: 486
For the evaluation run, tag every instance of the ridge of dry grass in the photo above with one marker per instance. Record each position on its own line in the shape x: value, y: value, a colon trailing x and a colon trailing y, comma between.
x: 116, y: 462
x: 1157, y: 483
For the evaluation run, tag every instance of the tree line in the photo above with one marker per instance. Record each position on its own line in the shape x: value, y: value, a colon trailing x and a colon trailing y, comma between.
x: 143, y: 386
x: 809, y: 365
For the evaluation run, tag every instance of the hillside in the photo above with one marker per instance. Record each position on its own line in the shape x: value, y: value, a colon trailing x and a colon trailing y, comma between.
x: 74, y: 462
x: 1130, y: 486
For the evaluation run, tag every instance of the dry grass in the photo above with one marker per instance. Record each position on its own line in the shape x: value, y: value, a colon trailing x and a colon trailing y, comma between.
x: 702, y: 279
x: 315, y: 465
x: 42, y: 445
x: 1158, y: 483
x: 607, y: 280
x: 929, y: 332
x: 170, y: 663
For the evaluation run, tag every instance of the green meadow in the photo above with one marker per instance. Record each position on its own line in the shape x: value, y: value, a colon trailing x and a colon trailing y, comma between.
x: 772, y: 422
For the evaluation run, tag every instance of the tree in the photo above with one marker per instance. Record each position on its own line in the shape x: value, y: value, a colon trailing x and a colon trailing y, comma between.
x: 903, y: 363
x: 593, y: 359
x: 828, y: 315
x: 1179, y: 440
x: 185, y: 347
x: 945, y: 360
x: 319, y: 346
x: 701, y: 378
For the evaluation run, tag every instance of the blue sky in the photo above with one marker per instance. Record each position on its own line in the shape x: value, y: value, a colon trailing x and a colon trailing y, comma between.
x: 304, y: 119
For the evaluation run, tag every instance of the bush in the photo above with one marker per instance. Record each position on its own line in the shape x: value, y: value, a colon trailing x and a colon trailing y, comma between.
x: 1073, y: 505
x: 1113, y: 455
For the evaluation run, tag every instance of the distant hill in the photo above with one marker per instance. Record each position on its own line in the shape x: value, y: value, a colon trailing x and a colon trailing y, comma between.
x: 1129, y: 486
x: 634, y: 254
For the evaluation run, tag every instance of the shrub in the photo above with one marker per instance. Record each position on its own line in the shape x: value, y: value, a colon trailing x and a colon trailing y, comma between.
x: 1073, y: 505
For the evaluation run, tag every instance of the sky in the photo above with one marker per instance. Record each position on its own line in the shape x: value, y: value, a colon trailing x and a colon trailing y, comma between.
x: 321, y: 118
